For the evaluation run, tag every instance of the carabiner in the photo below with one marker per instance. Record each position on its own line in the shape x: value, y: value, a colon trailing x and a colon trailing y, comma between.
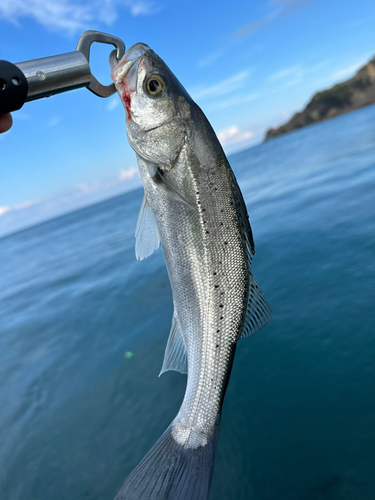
x: 84, y: 44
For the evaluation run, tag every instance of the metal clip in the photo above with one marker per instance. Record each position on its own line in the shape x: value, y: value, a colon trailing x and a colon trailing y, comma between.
x: 84, y: 44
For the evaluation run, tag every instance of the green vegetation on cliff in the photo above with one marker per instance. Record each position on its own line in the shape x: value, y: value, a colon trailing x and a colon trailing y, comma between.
x: 338, y: 96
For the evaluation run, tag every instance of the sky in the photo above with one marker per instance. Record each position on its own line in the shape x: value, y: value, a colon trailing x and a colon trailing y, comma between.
x: 249, y: 65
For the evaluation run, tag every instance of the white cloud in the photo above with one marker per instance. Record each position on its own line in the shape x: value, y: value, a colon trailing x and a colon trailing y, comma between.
x: 71, y: 15
x: 24, y: 204
x: 288, y: 77
x: 113, y: 103
x: 4, y: 210
x: 320, y: 65
x: 294, y: 75
x: 105, y: 184
x: 275, y: 9
x: 62, y: 14
x: 213, y: 57
x: 89, y: 188
x: 291, y: 83
x: 288, y: 6
x: 348, y: 71
x: 233, y: 135
x: 28, y: 213
x: 224, y: 87
x: 294, y: 70
x: 339, y: 74
x: 19, y: 206
x: 233, y: 101
x: 330, y: 76
x: 23, y: 116
x: 138, y: 8
x: 127, y: 174
x: 278, y: 8
x: 53, y: 121
x: 255, y: 26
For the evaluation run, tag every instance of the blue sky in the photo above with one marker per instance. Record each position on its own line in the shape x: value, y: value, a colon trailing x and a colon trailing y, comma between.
x: 248, y: 64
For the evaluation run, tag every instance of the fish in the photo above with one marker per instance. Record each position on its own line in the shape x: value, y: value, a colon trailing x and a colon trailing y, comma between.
x: 194, y: 208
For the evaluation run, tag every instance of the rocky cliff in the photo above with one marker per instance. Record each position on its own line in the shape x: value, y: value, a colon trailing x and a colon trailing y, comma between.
x: 355, y: 93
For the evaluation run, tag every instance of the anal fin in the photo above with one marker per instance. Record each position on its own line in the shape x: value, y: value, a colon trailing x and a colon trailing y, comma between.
x: 258, y: 311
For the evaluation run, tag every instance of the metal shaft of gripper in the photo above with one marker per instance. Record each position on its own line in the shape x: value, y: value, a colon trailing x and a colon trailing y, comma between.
x: 37, y: 78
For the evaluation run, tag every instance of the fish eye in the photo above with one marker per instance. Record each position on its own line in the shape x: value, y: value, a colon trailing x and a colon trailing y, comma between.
x: 155, y: 85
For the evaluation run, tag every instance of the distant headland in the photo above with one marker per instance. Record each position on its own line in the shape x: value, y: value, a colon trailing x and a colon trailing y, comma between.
x: 346, y: 96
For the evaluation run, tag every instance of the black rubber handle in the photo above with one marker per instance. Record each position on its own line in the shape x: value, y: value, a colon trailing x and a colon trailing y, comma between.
x: 13, y: 87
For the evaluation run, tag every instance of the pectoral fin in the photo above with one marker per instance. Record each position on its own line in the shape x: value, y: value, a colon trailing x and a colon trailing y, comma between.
x: 159, y: 178
x: 175, y: 357
x: 146, y: 232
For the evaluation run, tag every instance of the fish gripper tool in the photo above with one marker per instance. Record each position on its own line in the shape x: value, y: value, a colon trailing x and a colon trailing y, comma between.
x: 44, y: 77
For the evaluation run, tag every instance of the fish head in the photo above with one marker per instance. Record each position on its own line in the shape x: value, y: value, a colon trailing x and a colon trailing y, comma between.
x: 156, y: 104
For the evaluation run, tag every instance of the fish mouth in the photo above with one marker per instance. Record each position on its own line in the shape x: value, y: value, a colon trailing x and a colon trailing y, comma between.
x: 128, y: 63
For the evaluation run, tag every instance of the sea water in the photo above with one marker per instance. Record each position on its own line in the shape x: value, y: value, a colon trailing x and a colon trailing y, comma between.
x: 83, y: 327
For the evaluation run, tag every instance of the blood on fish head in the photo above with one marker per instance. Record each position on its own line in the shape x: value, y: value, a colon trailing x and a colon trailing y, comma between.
x: 124, y: 73
x: 126, y: 99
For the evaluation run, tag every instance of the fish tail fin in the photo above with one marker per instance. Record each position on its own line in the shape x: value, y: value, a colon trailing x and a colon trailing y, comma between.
x: 171, y: 471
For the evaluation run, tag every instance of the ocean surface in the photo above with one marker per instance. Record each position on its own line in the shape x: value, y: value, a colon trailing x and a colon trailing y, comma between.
x: 83, y: 327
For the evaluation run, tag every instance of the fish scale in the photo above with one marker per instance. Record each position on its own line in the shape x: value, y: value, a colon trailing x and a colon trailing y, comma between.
x: 204, y: 359
x: 194, y: 207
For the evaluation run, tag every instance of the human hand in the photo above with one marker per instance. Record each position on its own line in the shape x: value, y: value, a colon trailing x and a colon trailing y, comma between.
x: 5, y: 122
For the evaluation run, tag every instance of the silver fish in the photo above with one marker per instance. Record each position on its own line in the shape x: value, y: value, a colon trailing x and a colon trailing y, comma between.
x: 194, y: 207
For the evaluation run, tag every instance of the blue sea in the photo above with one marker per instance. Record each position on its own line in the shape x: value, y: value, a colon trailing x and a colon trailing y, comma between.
x: 83, y: 327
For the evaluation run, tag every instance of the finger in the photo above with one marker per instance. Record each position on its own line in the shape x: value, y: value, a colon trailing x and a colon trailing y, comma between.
x: 5, y: 122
